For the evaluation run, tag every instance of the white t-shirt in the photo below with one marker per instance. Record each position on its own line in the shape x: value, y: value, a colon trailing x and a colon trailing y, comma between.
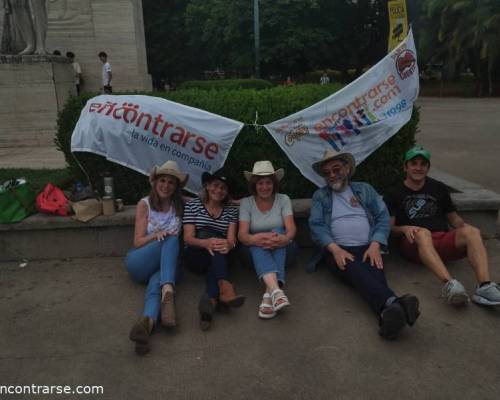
x: 349, y: 225
x: 78, y: 71
x: 324, y: 80
x: 106, y: 67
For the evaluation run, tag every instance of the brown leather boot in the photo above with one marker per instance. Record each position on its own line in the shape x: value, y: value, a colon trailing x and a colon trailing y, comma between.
x: 168, y: 310
x: 140, y: 334
x: 228, y: 296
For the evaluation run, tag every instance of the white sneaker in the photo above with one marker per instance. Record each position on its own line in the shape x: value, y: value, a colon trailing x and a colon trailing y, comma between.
x: 455, y: 293
x: 488, y: 295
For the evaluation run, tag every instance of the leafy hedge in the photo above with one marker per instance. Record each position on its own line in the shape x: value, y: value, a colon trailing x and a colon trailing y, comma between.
x: 382, y: 168
x: 333, y: 74
x: 228, y: 84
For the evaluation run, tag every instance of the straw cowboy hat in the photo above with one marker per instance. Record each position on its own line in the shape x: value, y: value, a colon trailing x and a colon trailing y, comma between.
x: 169, y: 168
x: 264, y: 168
x: 331, y: 155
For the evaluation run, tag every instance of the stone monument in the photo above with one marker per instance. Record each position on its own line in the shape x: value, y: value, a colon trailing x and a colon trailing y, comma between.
x: 35, y: 85
x: 24, y: 21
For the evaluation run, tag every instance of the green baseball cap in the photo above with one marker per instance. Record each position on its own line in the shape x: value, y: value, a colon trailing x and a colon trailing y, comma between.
x: 417, y: 151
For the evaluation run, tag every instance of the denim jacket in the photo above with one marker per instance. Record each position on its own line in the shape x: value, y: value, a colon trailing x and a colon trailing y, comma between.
x: 321, y: 216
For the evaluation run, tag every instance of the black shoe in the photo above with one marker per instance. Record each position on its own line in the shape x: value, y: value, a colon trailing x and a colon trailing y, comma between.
x: 206, y: 307
x: 410, y: 304
x: 392, y: 320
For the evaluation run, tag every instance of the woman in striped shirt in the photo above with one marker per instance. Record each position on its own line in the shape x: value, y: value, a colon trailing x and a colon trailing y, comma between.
x: 209, y: 235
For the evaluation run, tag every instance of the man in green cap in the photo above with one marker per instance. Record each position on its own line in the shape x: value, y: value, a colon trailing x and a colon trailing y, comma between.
x: 422, y: 214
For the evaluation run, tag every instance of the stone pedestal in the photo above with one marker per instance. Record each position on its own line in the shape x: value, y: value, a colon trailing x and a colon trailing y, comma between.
x: 116, y: 27
x: 32, y: 91
x: 34, y: 88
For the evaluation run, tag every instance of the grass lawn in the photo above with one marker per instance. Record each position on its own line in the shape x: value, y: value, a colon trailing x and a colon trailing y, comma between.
x: 38, y: 178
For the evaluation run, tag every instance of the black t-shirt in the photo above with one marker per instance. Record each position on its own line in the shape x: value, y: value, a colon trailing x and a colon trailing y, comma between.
x: 426, y: 207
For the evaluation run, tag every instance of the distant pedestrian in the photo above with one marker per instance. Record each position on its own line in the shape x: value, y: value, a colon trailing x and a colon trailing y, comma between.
x: 77, y: 70
x: 324, y: 80
x: 107, y: 76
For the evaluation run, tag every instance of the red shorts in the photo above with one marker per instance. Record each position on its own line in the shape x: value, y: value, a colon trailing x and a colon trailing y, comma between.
x: 444, y: 243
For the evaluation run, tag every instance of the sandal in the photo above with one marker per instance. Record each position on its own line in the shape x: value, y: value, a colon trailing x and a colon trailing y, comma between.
x: 266, y: 309
x: 279, y: 299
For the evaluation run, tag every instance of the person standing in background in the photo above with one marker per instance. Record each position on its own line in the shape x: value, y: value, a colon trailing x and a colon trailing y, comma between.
x: 107, y: 76
x: 77, y: 69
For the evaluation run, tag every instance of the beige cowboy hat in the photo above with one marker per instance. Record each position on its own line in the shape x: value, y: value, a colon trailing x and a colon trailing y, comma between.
x: 331, y: 155
x: 169, y: 168
x: 264, y: 168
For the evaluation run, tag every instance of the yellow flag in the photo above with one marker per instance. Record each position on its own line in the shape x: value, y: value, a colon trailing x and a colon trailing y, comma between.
x: 398, y: 22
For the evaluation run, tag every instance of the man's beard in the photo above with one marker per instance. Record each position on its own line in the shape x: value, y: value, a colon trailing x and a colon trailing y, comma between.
x: 339, y: 185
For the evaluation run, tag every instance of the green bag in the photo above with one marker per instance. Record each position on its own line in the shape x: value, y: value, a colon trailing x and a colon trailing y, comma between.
x: 17, y: 201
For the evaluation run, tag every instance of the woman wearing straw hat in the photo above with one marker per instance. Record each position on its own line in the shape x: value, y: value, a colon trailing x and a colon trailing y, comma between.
x: 268, y: 228
x: 210, y: 234
x: 153, y: 260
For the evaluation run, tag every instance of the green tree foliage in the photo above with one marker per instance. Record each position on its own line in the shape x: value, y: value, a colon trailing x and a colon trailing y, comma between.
x: 461, y: 34
x: 166, y: 37
x: 186, y: 37
x: 257, y: 84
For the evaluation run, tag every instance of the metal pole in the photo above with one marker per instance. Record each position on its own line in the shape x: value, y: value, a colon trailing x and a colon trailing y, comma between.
x: 256, y: 29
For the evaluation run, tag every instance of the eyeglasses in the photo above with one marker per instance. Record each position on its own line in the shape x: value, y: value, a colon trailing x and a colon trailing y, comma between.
x: 333, y: 171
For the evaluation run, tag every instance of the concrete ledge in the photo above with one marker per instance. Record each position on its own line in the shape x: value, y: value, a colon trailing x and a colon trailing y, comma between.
x: 477, y: 205
x: 43, y: 222
x: 468, y: 196
x: 47, y: 237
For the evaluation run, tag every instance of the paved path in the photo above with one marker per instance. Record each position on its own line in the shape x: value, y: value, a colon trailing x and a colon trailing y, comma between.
x: 66, y: 322
x: 463, y: 136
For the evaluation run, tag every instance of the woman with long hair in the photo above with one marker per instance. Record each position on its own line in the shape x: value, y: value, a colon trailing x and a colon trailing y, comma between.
x: 153, y: 259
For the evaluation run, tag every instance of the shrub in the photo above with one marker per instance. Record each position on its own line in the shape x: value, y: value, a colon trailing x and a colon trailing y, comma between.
x: 234, y: 84
x: 382, y: 168
x: 333, y: 74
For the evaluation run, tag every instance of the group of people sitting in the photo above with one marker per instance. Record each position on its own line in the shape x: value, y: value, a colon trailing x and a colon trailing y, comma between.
x: 349, y: 222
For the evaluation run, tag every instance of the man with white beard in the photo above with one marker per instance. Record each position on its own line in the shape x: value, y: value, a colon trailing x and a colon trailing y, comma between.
x: 350, y: 222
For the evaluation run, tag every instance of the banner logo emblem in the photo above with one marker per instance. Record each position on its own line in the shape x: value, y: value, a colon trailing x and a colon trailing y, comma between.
x: 406, y: 63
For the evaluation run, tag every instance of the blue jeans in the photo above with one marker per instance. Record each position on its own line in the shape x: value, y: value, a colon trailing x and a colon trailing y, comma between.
x: 200, y: 261
x: 156, y: 265
x: 368, y: 281
x: 268, y: 261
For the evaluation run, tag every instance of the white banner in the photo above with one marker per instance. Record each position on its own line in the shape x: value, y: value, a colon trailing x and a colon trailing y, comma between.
x: 356, y: 119
x: 142, y: 131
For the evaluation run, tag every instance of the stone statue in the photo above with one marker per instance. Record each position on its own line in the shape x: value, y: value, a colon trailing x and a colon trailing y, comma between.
x: 24, y: 27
